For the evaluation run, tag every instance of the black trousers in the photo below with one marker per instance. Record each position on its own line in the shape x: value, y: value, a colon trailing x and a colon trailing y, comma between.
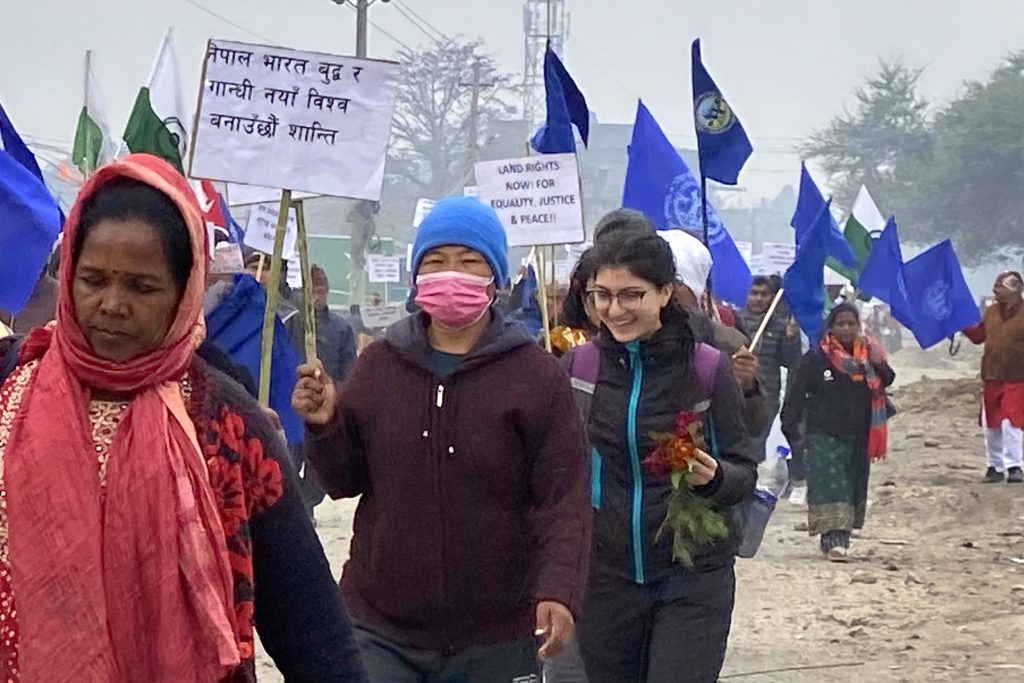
x: 389, y: 662
x: 672, y: 631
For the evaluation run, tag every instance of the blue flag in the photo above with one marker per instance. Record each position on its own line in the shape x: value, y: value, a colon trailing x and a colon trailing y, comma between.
x: 804, y: 281
x: 808, y: 205
x: 12, y: 143
x: 30, y: 219
x: 565, y: 106
x: 883, y: 275
x: 235, y: 326
x: 942, y: 301
x: 722, y: 144
x: 235, y: 232
x: 659, y: 184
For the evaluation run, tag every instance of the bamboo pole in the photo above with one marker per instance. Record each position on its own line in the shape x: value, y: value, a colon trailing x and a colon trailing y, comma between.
x: 308, y: 307
x: 767, y: 319
x: 260, y: 266
x: 543, y: 291
x: 270, y: 313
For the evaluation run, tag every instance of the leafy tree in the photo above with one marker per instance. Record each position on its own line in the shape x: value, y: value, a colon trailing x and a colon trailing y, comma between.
x: 883, y: 143
x: 974, y: 188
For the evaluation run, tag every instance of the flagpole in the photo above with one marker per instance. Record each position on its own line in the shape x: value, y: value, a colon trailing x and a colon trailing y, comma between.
x: 85, y: 101
x: 707, y: 243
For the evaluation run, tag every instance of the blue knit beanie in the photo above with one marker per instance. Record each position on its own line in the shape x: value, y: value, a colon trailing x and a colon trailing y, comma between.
x: 463, y: 222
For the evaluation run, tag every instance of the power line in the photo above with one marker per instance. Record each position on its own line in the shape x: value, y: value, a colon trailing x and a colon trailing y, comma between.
x: 401, y: 3
x: 229, y: 22
x: 417, y: 24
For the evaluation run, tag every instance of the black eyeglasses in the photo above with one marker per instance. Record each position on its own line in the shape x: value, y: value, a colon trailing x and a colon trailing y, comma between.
x: 628, y: 299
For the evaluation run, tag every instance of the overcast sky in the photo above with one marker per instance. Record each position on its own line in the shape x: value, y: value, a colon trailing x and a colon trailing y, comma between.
x: 787, y: 66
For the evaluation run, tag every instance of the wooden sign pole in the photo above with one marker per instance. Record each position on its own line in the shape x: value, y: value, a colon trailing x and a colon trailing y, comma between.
x: 542, y: 290
x: 273, y: 287
x: 767, y: 319
x: 308, y: 308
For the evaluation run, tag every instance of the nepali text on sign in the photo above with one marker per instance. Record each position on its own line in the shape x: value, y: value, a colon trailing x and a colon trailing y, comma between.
x: 301, y: 120
x: 537, y: 198
x: 261, y: 226
x: 384, y: 269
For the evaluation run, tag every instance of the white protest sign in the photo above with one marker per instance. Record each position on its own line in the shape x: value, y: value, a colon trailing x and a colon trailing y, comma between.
x: 308, y: 121
x: 757, y: 264
x: 537, y: 198
x: 259, y: 230
x: 778, y: 256
x: 243, y: 195
x: 746, y: 250
x: 380, y: 316
x: 423, y: 209
x: 383, y: 269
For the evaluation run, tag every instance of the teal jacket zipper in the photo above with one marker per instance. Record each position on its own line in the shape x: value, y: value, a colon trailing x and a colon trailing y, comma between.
x: 637, y: 367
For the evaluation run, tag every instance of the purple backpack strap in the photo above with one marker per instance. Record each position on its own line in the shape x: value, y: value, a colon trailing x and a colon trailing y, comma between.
x: 705, y: 365
x: 584, y: 367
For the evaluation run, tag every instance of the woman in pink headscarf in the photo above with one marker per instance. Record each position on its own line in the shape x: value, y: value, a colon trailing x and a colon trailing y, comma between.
x: 148, y: 519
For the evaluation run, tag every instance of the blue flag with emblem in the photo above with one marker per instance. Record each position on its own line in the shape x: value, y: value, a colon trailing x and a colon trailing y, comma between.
x: 883, y: 275
x: 808, y: 206
x: 566, y: 107
x: 722, y: 144
x: 659, y: 183
x: 30, y: 219
x: 804, y: 281
x: 942, y: 301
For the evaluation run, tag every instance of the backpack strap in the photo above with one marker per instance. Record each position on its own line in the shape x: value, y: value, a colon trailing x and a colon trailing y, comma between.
x: 584, y: 367
x: 705, y: 366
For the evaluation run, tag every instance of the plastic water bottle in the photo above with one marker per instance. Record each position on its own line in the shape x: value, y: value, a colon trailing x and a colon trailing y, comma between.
x: 772, y: 480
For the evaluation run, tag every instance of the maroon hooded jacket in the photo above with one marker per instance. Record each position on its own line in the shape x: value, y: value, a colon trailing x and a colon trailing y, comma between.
x: 475, y: 488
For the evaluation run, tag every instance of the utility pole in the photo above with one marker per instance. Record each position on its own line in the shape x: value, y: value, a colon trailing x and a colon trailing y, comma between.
x: 362, y: 22
x: 361, y: 214
x: 473, y: 142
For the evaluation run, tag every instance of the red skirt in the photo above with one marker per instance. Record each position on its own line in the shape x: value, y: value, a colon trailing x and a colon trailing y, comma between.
x: 1004, y: 401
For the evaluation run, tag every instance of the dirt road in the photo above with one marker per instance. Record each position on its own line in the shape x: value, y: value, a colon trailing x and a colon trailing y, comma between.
x: 935, y: 591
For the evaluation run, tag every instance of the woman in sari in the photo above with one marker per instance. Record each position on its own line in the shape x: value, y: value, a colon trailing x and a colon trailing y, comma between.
x: 838, y: 400
x: 148, y: 516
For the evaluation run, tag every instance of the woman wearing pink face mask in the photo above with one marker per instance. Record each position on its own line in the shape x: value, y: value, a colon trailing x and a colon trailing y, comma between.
x: 472, y: 536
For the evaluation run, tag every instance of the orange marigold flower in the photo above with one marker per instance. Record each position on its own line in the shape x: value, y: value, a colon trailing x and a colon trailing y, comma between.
x: 679, y: 453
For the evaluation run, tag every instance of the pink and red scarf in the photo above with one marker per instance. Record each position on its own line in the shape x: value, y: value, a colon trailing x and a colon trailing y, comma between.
x: 139, y: 587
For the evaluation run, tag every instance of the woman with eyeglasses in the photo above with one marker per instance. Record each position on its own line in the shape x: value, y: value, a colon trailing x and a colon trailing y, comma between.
x: 648, y: 617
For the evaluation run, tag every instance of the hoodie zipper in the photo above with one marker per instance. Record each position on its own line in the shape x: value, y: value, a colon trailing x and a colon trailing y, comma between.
x: 637, y: 370
x: 441, y: 453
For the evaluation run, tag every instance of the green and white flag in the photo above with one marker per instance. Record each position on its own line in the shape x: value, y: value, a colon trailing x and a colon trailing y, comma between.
x: 160, y: 123
x: 93, y: 146
x: 864, y: 219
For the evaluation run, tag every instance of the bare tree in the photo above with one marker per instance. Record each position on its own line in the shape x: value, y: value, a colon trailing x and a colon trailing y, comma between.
x: 430, y: 144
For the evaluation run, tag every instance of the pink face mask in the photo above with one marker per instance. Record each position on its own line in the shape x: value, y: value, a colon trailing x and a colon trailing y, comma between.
x: 454, y: 300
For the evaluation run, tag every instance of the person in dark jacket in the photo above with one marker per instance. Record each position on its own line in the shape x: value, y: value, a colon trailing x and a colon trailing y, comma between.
x: 336, y: 350
x: 647, y: 617
x: 839, y: 394
x: 778, y: 348
x: 335, y: 338
x: 472, y: 537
